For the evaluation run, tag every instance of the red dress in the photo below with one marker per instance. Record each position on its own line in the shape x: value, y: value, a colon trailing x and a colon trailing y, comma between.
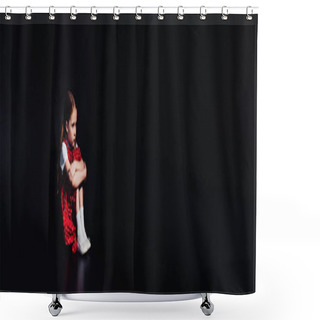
x: 68, y: 202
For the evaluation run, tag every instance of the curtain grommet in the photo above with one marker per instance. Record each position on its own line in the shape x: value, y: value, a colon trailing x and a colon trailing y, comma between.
x: 249, y: 15
x: 7, y: 10
x: 52, y: 11
x: 116, y: 15
x: 224, y: 13
x: 93, y: 16
x: 160, y: 15
x: 28, y: 13
x: 180, y: 13
x: 73, y: 13
x: 138, y: 16
x: 203, y: 13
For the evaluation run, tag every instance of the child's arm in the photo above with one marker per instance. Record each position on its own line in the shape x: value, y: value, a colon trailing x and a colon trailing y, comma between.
x: 77, y: 165
x: 81, y: 170
x: 76, y: 177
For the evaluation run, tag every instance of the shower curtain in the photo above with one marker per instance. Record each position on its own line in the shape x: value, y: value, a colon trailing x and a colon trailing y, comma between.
x: 128, y: 154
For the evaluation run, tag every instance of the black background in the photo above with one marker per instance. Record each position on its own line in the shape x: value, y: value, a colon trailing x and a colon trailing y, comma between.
x: 167, y: 127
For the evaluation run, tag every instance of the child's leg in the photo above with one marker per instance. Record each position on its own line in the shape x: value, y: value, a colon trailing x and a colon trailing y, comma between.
x: 78, y: 217
x: 82, y: 209
x: 81, y: 197
x: 77, y: 202
x: 84, y: 242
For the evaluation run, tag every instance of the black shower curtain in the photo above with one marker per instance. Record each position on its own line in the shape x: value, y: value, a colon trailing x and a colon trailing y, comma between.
x: 166, y: 125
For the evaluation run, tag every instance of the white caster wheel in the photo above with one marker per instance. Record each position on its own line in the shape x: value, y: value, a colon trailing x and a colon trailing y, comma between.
x: 206, y: 305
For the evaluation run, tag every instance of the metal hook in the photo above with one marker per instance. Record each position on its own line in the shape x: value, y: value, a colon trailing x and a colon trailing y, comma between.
x: 248, y: 16
x: 224, y: 13
x: 160, y: 16
x: 93, y: 16
x: 138, y: 17
x: 203, y: 13
x: 73, y: 13
x: 51, y: 13
x: 28, y: 13
x: 180, y: 14
x: 6, y: 10
x: 116, y: 15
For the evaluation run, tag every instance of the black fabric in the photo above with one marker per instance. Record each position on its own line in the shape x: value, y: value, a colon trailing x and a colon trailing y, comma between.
x: 167, y: 128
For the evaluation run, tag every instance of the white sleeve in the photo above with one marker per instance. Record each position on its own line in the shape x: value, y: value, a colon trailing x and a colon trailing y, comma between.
x: 63, y: 156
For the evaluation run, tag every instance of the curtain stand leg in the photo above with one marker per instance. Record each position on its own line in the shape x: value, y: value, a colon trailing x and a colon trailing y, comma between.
x: 206, y: 306
x: 55, y: 306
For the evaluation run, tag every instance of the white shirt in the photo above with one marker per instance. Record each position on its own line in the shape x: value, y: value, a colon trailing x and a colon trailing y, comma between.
x: 64, y: 155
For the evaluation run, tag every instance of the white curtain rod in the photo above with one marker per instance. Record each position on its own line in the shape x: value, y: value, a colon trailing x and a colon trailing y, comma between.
x: 129, y: 10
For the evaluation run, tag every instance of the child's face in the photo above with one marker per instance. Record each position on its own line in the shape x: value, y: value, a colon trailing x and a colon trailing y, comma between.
x: 71, y: 127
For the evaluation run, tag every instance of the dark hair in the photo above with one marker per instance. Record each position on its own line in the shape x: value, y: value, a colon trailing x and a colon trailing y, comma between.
x: 69, y: 105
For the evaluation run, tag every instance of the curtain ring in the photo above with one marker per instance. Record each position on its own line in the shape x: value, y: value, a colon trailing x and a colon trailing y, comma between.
x: 93, y: 16
x: 73, y: 13
x: 180, y: 13
x: 249, y: 17
x: 6, y: 10
x: 116, y: 15
x: 138, y: 17
x: 224, y: 13
x: 160, y: 15
x: 203, y: 13
x: 52, y: 11
x: 28, y: 13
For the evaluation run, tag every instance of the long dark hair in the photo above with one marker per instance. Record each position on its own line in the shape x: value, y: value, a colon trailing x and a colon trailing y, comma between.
x: 69, y: 105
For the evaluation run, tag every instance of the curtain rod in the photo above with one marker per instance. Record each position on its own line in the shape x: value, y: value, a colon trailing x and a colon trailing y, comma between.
x: 130, y: 10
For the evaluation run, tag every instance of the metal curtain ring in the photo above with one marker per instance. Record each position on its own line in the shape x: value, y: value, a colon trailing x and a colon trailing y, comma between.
x: 116, y: 15
x: 160, y: 15
x: 93, y: 16
x: 249, y: 16
x: 52, y: 11
x: 138, y: 17
x: 224, y: 13
x: 6, y: 11
x: 203, y: 13
x: 73, y: 13
x: 180, y: 13
x: 28, y: 13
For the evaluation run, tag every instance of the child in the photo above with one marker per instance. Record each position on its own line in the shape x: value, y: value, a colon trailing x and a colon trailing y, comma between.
x: 70, y: 179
